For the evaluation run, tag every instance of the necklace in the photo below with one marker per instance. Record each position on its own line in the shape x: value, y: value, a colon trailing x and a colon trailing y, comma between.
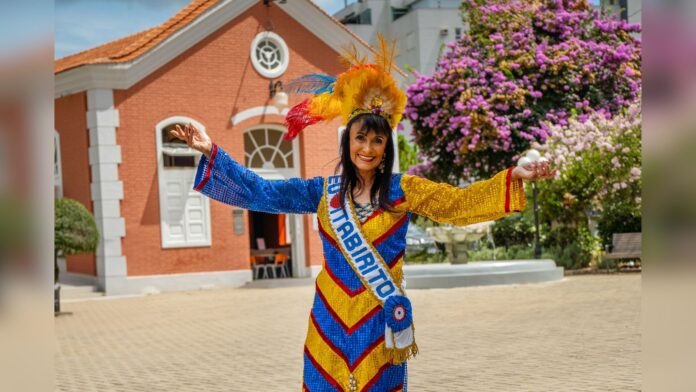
x: 363, y: 211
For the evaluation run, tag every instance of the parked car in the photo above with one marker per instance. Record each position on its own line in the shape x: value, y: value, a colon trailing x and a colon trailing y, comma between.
x: 417, y: 241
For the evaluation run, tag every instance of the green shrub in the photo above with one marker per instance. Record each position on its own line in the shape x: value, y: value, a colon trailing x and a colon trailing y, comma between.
x: 617, y: 220
x: 516, y: 229
x: 75, y: 230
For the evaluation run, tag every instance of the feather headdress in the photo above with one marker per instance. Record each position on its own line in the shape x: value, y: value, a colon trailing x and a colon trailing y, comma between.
x: 363, y: 88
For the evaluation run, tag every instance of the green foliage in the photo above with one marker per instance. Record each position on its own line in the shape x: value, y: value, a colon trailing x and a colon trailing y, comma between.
x: 516, y: 229
x: 570, y: 247
x: 423, y: 257
x: 408, y: 154
x: 618, y: 219
x: 75, y: 229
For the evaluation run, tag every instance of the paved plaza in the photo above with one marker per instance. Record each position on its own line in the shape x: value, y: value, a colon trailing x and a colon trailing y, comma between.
x: 578, y: 334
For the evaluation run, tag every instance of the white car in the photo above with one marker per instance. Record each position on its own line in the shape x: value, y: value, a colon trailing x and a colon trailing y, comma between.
x: 417, y: 240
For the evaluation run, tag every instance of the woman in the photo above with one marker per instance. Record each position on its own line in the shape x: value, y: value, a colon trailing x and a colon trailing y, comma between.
x: 361, y: 330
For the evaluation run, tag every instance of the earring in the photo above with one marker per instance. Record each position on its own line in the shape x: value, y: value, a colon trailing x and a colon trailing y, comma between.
x: 381, y: 166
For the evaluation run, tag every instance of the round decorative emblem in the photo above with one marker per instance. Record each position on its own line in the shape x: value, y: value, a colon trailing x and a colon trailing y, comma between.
x: 397, y: 311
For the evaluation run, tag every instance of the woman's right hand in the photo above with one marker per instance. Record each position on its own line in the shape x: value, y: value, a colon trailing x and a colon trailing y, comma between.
x: 194, y: 138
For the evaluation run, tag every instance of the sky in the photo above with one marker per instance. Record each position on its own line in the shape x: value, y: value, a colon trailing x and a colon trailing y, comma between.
x: 84, y: 24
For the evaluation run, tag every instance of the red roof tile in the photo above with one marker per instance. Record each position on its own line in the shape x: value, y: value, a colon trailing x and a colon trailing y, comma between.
x: 128, y: 48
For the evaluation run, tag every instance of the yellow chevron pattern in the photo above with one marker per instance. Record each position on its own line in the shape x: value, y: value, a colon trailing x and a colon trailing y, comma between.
x: 336, y: 366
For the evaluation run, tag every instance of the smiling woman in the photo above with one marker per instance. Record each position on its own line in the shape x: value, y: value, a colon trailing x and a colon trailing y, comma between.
x: 361, y: 327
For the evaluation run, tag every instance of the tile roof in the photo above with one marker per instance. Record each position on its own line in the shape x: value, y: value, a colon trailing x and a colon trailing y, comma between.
x: 128, y: 48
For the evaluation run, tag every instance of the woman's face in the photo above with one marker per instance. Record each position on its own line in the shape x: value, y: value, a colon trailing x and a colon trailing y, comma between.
x: 366, y: 148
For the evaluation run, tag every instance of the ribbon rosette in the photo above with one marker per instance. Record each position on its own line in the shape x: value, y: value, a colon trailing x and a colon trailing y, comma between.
x: 397, y: 313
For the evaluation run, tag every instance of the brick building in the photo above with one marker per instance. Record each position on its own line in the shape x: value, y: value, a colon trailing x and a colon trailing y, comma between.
x: 211, y: 64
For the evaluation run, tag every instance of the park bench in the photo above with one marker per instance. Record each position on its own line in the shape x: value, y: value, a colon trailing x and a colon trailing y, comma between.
x: 624, y: 246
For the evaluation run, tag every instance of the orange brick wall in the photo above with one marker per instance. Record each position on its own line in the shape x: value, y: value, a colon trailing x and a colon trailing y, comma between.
x: 210, y: 83
x: 71, y: 124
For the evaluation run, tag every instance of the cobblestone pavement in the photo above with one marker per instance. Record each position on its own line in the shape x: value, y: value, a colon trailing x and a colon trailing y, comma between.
x: 579, y: 334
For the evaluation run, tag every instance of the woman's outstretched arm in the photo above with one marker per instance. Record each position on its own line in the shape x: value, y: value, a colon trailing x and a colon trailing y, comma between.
x: 491, y: 199
x: 222, y: 178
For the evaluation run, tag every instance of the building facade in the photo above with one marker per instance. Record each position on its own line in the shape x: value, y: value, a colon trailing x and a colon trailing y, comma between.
x: 213, y: 64
x: 421, y: 28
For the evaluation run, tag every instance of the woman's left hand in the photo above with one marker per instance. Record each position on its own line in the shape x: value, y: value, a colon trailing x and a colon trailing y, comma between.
x: 533, y: 171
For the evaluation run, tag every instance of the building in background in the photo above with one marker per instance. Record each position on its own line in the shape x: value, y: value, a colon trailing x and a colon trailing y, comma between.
x: 218, y: 65
x: 628, y: 10
x: 421, y: 28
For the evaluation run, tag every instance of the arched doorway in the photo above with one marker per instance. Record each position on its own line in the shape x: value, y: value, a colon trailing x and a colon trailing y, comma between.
x: 272, y: 158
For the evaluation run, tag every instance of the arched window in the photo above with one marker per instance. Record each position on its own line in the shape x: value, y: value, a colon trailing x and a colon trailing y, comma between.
x: 264, y: 148
x: 184, y: 213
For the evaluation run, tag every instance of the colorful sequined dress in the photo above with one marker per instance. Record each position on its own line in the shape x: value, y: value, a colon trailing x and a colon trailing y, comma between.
x: 345, y: 348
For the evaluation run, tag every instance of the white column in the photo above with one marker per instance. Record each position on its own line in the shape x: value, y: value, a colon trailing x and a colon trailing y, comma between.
x: 299, y: 256
x: 106, y: 189
x: 395, y: 138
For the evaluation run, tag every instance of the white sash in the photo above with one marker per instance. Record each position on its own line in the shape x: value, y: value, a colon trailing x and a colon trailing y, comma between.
x: 373, y: 271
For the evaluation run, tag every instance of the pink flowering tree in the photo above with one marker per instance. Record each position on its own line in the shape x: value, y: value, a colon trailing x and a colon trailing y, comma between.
x: 599, y: 164
x: 524, y: 68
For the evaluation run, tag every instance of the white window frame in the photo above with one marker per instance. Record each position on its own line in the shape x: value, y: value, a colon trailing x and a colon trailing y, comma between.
x: 284, y: 53
x: 295, y: 148
x: 166, y: 241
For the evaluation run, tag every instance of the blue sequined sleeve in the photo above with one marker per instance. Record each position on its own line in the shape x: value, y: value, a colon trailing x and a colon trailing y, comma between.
x: 223, y: 179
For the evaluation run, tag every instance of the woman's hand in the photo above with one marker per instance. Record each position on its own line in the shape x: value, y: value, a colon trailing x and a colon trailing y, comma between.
x: 533, y: 171
x: 194, y: 138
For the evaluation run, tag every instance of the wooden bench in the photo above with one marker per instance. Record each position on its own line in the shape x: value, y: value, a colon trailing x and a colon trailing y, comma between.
x: 625, y: 246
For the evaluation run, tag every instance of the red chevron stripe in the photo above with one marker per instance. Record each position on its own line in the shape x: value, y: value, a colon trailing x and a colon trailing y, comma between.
x: 397, y: 388
x: 392, y: 263
x: 391, y: 231
x: 508, y: 177
x: 351, y: 293
x: 327, y: 236
x: 328, y: 341
x: 380, y: 210
x: 349, y: 330
x: 367, y: 352
x: 321, y: 370
x: 374, y: 379
x: 340, y: 353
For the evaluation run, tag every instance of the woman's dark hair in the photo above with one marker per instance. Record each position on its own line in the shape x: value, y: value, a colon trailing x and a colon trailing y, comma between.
x: 350, y: 178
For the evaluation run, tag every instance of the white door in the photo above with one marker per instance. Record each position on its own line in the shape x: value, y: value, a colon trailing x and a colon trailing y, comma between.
x: 184, y: 223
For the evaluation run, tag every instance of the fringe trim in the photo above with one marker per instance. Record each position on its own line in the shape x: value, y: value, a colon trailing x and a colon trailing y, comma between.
x: 401, y: 355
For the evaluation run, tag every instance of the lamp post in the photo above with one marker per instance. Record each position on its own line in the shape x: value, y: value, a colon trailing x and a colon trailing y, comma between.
x: 280, y: 98
x: 534, y: 156
x: 537, y: 243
